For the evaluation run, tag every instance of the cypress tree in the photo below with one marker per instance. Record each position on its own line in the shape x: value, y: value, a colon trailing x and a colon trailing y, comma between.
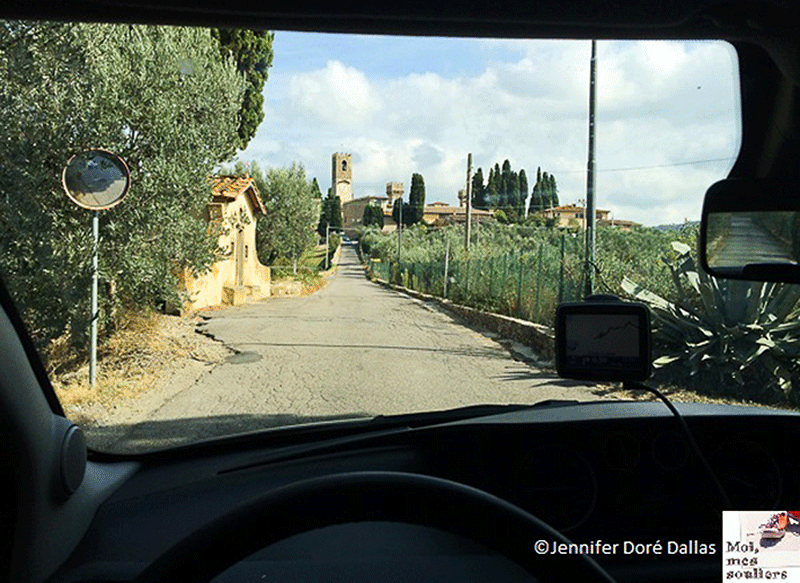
x: 547, y: 199
x: 416, y: 199
x: 553, y: 191
x: 478, y: 190
x: 523, y: 193
x: 513, y: 198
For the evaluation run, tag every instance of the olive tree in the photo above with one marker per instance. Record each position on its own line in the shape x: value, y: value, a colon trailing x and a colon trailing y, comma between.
x: 287, y: 228
x: 166, y: 101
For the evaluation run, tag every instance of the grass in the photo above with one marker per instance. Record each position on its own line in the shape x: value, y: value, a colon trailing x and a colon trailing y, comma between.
x: 131, y: 361
x: 309, y: 267
x: 683, y: 395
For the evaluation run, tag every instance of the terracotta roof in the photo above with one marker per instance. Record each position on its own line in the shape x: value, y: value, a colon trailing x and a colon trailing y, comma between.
x: 574, y: 207
x: 435, y: 209
x: 229, y: 187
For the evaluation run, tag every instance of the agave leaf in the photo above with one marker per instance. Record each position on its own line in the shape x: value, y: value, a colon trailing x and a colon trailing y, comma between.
x: 643, y: 294
x: 755, y: 354
x: 783, y: 302
x: 696, y: 345
x: 766, y: 341
x: 662, y: 361
x: 730, y: 328
x: 681, y: 248
x: 755, y: 303
x: 780, y: 372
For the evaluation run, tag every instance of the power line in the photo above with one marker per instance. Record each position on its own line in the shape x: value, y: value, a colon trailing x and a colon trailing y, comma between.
x: 689, y: 163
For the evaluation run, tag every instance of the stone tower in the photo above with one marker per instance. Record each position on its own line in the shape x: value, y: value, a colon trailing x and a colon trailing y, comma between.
x: 394, y: 190
x: 342, y: 176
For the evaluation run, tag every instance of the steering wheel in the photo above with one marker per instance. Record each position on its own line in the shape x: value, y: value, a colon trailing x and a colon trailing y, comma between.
x: 376, y: 497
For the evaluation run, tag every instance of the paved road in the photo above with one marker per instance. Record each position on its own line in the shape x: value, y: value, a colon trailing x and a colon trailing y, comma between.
x: 353, y: 349
x: 749, y: 242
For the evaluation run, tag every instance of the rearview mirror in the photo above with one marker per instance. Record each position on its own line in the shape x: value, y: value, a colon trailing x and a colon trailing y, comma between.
x: 750, y: 229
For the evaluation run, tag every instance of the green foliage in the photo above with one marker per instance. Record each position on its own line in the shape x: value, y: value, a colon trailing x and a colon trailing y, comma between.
x: 287, y: 228
x: 315, y: 191
x: 505, y: 190
x: 523, y: 194
x: 544, y: 194
x: 160, y: 97
x: 416, y: 200
x: 251, y: 50
x: 408, y: 213
x: 620, y: 253
x: 478, y: 190
x: 512, y: 197
x: 333, y: 244
x: 373, y: 216
x: 330, y: 213
x: 725, y: 337
x: 501, y: 217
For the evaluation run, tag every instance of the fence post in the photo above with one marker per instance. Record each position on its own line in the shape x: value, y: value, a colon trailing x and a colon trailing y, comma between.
x: 519, y: 287
x: 561, y: 270
x: 539, y: 280
x: 478, y: 265
x: 505, y: 280
x: 446, y: 265
x: 466, y: 283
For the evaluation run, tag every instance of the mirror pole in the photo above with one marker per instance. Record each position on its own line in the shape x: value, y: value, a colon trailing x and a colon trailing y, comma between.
x: 95, y: 314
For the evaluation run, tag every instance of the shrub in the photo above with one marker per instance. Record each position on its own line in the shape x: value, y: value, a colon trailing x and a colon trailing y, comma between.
x: 724, y: 337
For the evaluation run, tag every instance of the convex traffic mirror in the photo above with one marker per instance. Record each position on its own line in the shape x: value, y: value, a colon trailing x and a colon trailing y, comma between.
x: 96, y: 179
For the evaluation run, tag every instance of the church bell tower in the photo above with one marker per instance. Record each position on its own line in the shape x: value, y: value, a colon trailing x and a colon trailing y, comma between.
x: 342, y: 176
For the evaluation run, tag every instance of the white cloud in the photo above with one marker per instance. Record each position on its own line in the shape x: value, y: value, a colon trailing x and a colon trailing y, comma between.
x: 338, y: 94
x: 659, y: 105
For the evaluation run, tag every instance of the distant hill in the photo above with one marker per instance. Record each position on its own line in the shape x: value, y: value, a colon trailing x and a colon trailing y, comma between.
x: 677, y: 226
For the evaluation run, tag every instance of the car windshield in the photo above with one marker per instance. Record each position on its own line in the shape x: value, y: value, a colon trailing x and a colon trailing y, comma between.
x: 295, y: 228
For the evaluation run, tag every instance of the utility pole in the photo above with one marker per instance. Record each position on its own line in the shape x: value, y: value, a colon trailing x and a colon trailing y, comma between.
x: 446, y: 267
x: 399, y: 229
x: 590, y: 180
x: 468, y: 191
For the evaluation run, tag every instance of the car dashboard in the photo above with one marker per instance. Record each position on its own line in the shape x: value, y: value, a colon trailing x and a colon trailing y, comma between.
x: 616, y: 472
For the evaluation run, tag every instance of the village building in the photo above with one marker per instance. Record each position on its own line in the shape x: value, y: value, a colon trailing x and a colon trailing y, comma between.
x: 353, y: 212
x: 441, y: 213
x: 436, y: 213
x: 623, y: 224
x: 574, y: 216
x: 238, y: 277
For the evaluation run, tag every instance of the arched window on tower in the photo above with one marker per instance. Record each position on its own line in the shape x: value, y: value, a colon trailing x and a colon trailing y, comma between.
x: 344, y: 165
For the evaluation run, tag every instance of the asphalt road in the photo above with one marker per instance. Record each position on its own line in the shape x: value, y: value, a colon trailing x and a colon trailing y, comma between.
x: 748, y: 242
x: 353, y: 349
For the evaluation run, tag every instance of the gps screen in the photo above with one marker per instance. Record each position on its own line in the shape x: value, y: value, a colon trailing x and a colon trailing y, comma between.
x: 603, y: 341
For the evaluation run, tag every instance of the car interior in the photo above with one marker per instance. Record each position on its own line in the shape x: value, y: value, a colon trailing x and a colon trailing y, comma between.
x: 457, y: 495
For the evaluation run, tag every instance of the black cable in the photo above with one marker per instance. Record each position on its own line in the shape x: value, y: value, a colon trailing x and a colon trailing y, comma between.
x: 632, y: 385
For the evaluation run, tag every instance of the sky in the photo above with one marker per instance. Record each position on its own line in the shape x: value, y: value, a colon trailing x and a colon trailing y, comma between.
x: 667, y: 123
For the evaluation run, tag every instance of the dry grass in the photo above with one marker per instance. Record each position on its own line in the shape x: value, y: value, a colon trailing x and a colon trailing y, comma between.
x: 143, y: 349
x: 681, y: 395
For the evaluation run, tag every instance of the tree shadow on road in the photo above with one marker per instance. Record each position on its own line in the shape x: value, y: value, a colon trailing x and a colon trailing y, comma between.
x: 548, y: 377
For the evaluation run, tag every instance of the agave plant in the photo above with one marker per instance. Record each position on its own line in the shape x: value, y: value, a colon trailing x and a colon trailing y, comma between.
x: 733, y: 337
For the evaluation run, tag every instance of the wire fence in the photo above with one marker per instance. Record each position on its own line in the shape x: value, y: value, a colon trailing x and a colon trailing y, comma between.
x: 527, y: 285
